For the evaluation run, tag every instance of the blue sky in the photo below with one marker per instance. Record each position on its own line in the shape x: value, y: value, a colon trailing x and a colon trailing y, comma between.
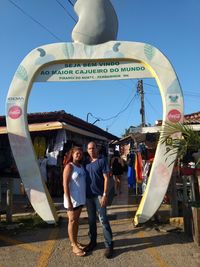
x: 172, y: 26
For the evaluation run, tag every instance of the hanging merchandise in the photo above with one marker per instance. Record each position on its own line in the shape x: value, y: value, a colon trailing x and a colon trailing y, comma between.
x: 145, y: 173
x: 138, y: 167
x: 61, y: 139
x: 143, y: 150
x: 131, y: 177
x: 43, y: 168
x: 39, y: 144
x: 56, y: 144
x: 52, y: 157
x: 131, y: 171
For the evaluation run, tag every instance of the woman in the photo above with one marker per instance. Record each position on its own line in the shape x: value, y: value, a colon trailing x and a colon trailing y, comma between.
x: 74, y: 195
x: 117, y: 168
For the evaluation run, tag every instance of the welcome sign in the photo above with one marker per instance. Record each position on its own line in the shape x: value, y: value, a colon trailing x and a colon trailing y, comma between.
x: 106, y: 70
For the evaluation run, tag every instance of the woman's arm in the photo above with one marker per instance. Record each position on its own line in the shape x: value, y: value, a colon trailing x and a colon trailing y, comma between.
x: 67, y: 173
x: 121, y: 162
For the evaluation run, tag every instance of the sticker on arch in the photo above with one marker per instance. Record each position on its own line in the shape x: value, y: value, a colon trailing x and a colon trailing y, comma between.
x: 174, y: 115
x: 14, y: 112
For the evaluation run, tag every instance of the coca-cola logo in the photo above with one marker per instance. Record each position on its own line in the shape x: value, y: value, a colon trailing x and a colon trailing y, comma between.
x: 14, y: 112
x: 174, y: 115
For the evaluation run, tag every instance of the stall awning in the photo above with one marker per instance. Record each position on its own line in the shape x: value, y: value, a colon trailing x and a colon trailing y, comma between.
x: 156, y: 129
x: 48, y: 126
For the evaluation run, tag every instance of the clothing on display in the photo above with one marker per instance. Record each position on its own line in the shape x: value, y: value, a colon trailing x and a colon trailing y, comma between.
x: 61, y: 139
x: 56, y: 144
x: 39, y: 144
x: 131, y: 177
x: 145, y: 173
x: 138, y: 167
x: 43, y: 168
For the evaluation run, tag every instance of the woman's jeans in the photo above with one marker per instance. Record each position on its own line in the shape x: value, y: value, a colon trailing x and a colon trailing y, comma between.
x: 93, y: 209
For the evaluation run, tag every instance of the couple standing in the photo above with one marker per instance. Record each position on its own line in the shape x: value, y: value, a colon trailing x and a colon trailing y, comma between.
x: 87, y: 186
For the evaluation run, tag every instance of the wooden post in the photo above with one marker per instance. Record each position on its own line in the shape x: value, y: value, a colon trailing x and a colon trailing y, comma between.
x: 9, y: 200
x: 187, y: 213
x: 0, y: 194
x: 173, y: 197
x: 195, y: 189
x: 196, y: 224
x: 0, y: 200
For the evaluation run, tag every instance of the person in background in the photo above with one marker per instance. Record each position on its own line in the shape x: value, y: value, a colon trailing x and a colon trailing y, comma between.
x: 74, y: 195
x: 97, y: 183
x: 117, y: 169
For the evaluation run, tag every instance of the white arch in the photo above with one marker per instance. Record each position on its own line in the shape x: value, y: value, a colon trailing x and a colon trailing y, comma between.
x: 17, y: 126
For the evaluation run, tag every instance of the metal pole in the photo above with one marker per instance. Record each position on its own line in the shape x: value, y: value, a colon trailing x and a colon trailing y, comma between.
x: 95, y: 121
x: 9, y: 200
x: 89, y: 113
x: 142, y: 110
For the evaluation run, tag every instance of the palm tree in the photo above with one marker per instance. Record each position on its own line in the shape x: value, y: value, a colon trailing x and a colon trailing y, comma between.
x: 180, y: 138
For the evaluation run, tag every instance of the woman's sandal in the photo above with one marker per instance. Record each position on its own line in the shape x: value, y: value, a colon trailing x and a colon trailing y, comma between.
x: 80, y: 253
x: 79, y: 245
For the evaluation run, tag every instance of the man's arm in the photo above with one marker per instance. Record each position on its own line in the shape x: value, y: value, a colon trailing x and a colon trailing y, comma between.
x: 104, y: 198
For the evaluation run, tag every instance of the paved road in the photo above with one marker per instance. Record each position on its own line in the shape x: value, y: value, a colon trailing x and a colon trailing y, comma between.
x: 150, y: 245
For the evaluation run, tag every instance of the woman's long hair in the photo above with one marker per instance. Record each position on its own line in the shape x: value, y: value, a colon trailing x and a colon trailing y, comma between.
x: 69, y: 157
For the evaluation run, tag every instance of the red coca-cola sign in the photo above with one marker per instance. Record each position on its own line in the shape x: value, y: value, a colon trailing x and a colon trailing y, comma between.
x: 174, y: 115
x: 14, y: 112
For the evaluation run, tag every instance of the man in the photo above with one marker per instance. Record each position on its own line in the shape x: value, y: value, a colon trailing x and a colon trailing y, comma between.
x: 97, y: 180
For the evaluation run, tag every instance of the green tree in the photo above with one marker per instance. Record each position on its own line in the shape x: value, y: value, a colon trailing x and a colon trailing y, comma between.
x: 180, y: 138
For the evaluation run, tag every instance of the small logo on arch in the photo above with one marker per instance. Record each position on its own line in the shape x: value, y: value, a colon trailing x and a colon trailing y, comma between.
x: 14, y: 112
x: 174, y: 115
